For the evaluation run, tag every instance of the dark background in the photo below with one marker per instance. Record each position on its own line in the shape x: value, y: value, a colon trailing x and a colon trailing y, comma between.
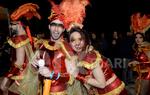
x: 102, y: 15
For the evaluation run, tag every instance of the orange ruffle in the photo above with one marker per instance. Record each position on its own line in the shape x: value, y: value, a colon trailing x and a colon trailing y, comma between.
x: 18, y: 41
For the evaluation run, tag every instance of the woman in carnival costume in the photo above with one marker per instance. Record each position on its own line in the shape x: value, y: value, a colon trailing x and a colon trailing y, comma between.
x: 139, y: 25
x: 98, y: 77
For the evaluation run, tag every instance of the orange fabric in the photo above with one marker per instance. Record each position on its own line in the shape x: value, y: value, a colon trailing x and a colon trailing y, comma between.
x: 27, y: 10
x: 46, y: 88
x: 69, y: 11
x: 139, y: 23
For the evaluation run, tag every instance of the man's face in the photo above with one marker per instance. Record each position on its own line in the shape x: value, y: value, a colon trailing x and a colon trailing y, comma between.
x: 56, y: 29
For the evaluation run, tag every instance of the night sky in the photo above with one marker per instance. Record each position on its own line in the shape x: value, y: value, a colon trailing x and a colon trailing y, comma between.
x: 102, y: 15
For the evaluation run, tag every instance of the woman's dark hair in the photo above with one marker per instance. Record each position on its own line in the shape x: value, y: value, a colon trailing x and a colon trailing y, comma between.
x: 82, y: 32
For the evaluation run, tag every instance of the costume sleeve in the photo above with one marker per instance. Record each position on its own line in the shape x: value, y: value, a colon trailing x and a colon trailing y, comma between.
x: 91, y: 60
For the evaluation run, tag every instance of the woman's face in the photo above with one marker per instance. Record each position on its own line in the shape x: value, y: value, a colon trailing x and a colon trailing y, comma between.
x: 77, y: 42
x: 139, y: 39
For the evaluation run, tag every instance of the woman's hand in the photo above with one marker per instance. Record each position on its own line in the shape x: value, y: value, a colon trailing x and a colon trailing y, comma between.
x: 133, y: 63
x: 71, y: 66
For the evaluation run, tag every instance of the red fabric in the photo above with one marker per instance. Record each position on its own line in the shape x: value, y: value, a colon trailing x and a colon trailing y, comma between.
x: 81, y: 78
x: 13, y: 71
x: 18, y: 39
x: 124, y: 92
x: 144, y: 63
x: 110, y: 87
x: 57, y: 64
x: 58, y: 86
x: 141, y: 57
x: 108, y: 73
x: 11, y: 93
x: 29, y: 34
x: 90, y: 57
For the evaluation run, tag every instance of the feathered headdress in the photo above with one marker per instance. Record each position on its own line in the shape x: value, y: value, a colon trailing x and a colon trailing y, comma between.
x: 140, y: 23
x: 55, y: 13
x: 27, y: 10
x: 71, y: 12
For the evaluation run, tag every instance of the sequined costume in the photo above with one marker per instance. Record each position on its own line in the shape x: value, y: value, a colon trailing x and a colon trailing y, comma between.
x: 17, y: 42
x: 55, y: 60
x: 140, y: 55
x: 22, y: 72
x: 114, y: 86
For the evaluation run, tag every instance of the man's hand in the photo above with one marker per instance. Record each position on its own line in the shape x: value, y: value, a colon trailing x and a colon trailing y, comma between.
x: 44, y: 71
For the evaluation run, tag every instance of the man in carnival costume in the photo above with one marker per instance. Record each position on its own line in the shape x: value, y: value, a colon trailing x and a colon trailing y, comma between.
x: 23, y: 42
x: 63, y: 16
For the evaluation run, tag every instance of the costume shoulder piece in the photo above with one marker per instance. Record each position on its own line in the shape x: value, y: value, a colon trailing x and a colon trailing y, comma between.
x: 145, y: 46
x: 18, y: 41
x: 91, y: 60
x: 56, y: 45
x: 48, y: 46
